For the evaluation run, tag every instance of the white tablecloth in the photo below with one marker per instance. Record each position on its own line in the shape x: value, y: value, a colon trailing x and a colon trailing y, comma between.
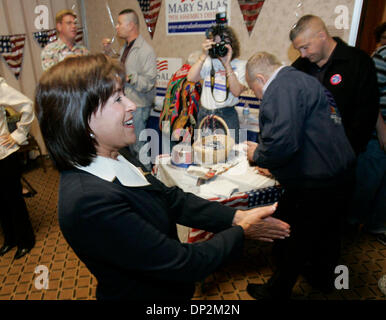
x: 238, y: 179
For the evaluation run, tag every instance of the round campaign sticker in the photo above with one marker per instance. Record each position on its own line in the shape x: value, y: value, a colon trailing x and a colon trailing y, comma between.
x: 336, y: 79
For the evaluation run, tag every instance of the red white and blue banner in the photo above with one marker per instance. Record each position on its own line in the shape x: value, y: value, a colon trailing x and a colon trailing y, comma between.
x: 12, y: 50
x: 166, y: 67
x: 192, y: 16
x: 240, y: 201
x: 150, y: 10
x: 12, y: 47
x: 250, y: 10
x: 44, y: 37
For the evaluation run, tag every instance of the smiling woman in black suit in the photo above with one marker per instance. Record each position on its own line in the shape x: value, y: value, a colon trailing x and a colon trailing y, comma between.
x: 121, y: 224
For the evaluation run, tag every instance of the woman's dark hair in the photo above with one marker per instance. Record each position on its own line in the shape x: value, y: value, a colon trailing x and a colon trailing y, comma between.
x: 228, y: 33
x: 379, y: 31
x: 66, y: 97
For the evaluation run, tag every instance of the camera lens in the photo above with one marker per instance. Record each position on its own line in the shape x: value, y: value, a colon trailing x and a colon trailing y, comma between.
x: 218, y: 50
x: 222, y: 50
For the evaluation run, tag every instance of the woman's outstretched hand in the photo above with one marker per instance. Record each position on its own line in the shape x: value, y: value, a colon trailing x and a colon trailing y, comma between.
x: 259, y: 225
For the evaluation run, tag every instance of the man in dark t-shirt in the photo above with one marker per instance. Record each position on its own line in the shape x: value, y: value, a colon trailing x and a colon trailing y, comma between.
x: 347, y: 72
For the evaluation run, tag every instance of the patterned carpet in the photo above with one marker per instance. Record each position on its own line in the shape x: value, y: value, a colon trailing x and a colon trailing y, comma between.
x: 69, y: 279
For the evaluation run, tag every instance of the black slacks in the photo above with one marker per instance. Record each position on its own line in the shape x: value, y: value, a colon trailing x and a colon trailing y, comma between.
x: 315, y: 216
x: 14, y: 218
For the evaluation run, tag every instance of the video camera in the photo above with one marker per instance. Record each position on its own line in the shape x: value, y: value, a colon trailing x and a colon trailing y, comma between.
x: 218, y: 49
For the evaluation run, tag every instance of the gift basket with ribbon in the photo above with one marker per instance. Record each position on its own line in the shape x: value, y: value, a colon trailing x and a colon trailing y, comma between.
x: 215, y: 147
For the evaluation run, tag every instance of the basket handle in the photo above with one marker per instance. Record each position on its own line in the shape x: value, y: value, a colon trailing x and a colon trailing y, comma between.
x: 219, y: 119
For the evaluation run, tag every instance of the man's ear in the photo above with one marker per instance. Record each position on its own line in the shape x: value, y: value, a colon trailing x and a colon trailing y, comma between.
x: 322, y: 35
x: 260, y: 78
x: 131, y: 24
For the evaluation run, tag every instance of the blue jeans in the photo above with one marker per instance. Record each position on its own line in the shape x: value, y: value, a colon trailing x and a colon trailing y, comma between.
x: 228, y: 114
x: 369, y: 202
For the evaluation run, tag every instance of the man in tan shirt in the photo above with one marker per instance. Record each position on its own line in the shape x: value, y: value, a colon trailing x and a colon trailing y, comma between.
x: 65, y: 45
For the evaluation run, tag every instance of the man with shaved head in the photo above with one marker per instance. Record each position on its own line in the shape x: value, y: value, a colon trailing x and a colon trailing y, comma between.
x: 350, y: 75
x: 347, y: 72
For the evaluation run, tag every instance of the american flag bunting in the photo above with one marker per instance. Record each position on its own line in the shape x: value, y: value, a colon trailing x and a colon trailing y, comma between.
x: 79, y: 35
x: 240, y: 201
x: 46, y: 36
x: 150, y: 10
x: 250, y: 10
x: 12, y: 49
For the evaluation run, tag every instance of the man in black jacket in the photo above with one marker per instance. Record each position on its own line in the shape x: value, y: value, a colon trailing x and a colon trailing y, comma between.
x: 347, y: 72
x: 303, y: 144
x: 350, y: 75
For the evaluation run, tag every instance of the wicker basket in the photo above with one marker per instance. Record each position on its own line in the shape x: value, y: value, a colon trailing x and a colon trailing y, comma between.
x: 213, y: 148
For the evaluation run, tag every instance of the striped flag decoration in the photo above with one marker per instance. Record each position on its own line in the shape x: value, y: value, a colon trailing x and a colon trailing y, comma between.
x: 162, y: 65
x: 46, y: 36
x: 150, y: 10
x: 240, y: 201
x: 197, y: 235
x: 79, y: 35
x: 250, y: 10
x: 12, y: 49
x: 261, y: 197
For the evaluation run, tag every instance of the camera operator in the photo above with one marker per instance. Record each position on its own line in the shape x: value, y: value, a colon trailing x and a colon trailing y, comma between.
x: 223, y: 75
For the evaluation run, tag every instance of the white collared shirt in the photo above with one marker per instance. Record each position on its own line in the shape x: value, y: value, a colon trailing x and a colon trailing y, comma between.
x: 108, y: 169
x: 10, y: 97
x: 271, y: 78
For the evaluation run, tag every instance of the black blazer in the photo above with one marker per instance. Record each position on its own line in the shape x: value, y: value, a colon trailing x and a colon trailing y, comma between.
x: 127, y: 236
x: 302, y: 140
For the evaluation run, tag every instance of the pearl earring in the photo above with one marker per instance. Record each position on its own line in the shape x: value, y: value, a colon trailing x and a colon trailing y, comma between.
x: 92, y: 135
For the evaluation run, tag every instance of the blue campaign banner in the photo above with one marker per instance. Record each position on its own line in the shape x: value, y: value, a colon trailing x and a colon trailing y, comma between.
x: 252, y: 102
x: 190, y: 26
x: 193, y: 17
